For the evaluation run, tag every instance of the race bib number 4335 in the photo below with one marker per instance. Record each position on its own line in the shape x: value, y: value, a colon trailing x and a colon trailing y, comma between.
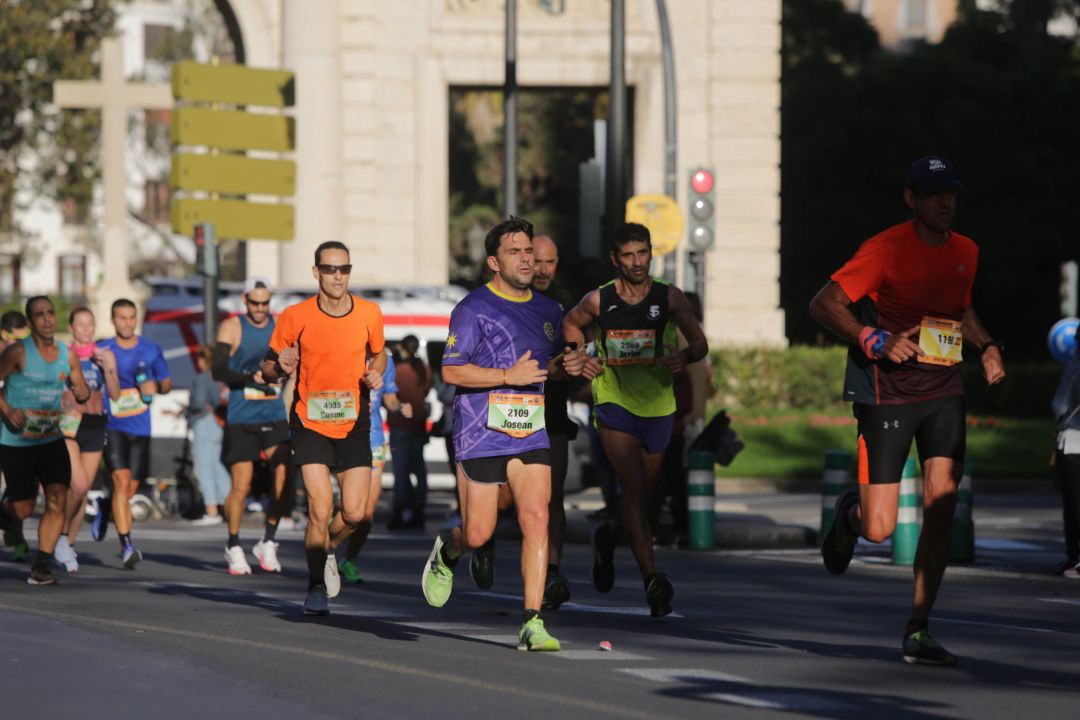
x: 332, y: 406
x: 516, y: 414
x: 941, y: 341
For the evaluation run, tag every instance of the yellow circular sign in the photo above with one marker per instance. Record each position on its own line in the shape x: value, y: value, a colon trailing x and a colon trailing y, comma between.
x: 661, y: 215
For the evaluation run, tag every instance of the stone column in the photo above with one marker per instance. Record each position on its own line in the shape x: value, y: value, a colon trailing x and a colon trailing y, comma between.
x: 311, y: 51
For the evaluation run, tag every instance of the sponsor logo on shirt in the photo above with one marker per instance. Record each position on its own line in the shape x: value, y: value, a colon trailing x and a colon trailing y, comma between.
x: 654, y: 312
x: 549, y: 331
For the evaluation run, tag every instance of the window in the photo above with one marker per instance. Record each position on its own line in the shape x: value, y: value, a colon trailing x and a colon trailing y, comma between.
x: 156, y: 41
x: 9, y: 276
x: 71, y: 276
x: 914, y: 20
x: 156, y: 202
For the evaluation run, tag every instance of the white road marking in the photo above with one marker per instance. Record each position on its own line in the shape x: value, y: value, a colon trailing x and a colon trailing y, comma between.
x: 753, y: 696
x: 1061, y: 601
x: 1003, y: 626
x: 600, y: 655
x: 442, y: 627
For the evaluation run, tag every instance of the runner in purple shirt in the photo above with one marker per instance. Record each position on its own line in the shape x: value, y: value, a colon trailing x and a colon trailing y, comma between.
x: 504, y: 342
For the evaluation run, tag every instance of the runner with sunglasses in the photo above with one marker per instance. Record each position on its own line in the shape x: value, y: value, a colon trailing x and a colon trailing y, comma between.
x: 255, y: 426
x: 334, y: 343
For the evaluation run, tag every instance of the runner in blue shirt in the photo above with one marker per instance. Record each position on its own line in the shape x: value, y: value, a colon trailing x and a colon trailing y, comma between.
x: 143, y: 373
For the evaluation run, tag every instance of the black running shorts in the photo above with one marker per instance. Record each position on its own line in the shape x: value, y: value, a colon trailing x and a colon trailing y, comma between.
x: 246, y: 442
x: 124, y: 451
x: 492, y: 470
x: 90, y: 437
x: 27, y: 467
x: 885, y: 433
x: 339, y: 454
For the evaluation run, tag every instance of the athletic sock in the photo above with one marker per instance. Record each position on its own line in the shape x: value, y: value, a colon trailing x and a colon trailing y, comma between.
x: 914, y: 626
x: 125, y: 540
x: 553, y: 570
x: 269, y: 530
x: 450, y: 562
x: 530, y: 614
x: 41, y: 562
x: 234, y: 540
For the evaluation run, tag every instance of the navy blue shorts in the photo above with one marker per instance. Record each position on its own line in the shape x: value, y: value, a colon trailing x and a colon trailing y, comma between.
x: 653, y: 432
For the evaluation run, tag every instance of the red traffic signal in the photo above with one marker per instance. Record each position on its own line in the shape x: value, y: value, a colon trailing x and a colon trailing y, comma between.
x: 702, y: 181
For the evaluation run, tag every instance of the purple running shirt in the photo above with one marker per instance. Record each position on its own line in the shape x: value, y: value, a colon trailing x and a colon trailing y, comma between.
x: 491, y: 330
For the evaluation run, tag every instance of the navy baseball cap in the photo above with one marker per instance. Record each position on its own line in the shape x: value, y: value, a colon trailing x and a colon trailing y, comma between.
x: 932, y: 173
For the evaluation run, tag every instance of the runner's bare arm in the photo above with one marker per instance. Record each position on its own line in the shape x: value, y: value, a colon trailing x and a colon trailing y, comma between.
x: 107, y: 360
x: 992, y: 360
x: 683, y: 315
x: 831, y: 308
x: 79, y: 389
x: 525, y: 371
x: 11, y: 360
x: 581, y: 316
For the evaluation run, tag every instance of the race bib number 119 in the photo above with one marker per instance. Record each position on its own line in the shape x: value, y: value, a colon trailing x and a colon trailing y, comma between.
x: 941, y: 341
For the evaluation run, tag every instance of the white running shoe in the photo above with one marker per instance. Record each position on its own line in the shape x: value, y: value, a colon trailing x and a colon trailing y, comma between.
x: 207, y: 520
x: 331, y: 577
x: 238, y: 564
x: 265, y: 552
x: 65, y: 555
x: 316, y: 603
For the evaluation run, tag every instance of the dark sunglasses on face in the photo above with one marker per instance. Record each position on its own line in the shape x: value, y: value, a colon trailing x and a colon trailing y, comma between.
x: 258, y: 303
x: 334, y: 269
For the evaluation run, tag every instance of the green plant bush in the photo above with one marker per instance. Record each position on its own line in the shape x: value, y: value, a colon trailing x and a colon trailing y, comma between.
x: 805, y: 377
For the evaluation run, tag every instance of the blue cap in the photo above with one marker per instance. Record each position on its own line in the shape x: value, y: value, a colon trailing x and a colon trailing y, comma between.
x: 932, y: 173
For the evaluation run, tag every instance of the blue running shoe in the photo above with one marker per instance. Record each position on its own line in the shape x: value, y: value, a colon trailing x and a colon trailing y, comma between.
x: 100, y: 524
x: 131, y: 556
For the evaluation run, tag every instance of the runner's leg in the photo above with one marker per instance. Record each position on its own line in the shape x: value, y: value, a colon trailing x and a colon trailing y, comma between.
x: 124, y: 487
x: 531, y: 486
x: 560, y: 445
x: 637, y: 472
x: 363, y: 529
x: 941, y: 476
x: 234, y: 504
x: 320, y: 499
x: 52, y: 520
x: 80, y: 484
x: 355, y: 484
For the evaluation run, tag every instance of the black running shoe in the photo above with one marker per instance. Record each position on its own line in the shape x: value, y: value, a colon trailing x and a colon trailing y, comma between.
x: 482, y: 565
x: 41, y: 576
x: 658, y: 593
x: 603, y: 552
x: 839, y: 543
x: 556, y: 593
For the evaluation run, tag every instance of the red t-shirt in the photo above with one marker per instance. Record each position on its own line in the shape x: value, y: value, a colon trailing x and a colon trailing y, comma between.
x: 906, y: 280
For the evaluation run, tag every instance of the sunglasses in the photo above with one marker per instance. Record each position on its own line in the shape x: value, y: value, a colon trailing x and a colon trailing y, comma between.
x: 334, y: 269
x: 257, y: 303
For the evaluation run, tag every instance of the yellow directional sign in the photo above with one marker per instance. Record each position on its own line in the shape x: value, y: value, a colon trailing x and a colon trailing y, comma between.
x: 235, y: 219
x: 232, y: 130
x: 232, y: 174
x: 233, y: 84
x: 659, y: 213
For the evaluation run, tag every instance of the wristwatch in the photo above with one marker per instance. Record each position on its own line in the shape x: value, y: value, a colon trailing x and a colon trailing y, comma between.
x: 992, y: 343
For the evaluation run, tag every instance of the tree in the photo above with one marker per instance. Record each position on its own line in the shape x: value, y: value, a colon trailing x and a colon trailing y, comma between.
x: 44, y: 151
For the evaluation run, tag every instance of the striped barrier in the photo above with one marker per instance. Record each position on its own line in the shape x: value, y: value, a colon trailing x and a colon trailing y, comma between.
x: 905, y: 538
x: 962, y: 534
x: 835, y: 480
x: 701, y: 500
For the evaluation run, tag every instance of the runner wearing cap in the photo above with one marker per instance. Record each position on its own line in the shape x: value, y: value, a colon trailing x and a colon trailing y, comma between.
x: 903, y: 303
x: 334, y: 343
x: 256, y: 427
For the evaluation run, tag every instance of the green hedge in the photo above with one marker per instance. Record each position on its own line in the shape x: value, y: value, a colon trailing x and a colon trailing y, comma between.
x: 63, y: 306
x: 804, y: 377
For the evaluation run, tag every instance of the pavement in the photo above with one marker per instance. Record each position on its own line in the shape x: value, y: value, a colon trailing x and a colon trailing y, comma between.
x: 758, y: 632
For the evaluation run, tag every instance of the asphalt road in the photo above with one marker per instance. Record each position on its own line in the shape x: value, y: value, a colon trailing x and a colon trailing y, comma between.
x: 757, y: 634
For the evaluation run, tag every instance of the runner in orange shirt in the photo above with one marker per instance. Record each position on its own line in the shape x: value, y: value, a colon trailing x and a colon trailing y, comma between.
x: 334, y: 343
x: 903, y: 302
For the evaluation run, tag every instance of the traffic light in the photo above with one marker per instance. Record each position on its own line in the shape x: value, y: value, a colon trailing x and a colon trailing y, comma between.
x: 206, y: 250
x: 702, y: 210
x: 1069, y: 288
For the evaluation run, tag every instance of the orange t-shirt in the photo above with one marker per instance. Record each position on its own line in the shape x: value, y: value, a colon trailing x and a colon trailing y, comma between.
x: 906, y: 279
x: 333, y: 359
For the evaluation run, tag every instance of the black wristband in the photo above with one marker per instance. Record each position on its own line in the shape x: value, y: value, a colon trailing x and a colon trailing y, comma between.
x: 992, y: 343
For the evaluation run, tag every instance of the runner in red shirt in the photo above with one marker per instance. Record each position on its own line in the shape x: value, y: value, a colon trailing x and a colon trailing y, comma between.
x: 903, y: 302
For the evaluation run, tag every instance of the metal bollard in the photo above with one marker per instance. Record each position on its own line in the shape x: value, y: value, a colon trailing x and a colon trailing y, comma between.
x: 701, y: 500
x: 835, y: 480
x: 962, y: 535
x: 905, y: 538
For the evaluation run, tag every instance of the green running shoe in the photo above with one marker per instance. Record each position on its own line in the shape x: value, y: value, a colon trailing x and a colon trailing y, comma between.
x: 21, y: 551
x: 534, y: 637
x: 349, y: 572
x: 438, y: 578
x: 921, y: 647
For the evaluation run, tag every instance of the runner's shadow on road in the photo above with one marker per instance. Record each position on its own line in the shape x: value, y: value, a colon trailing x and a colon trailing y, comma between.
x: 386, y: 629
